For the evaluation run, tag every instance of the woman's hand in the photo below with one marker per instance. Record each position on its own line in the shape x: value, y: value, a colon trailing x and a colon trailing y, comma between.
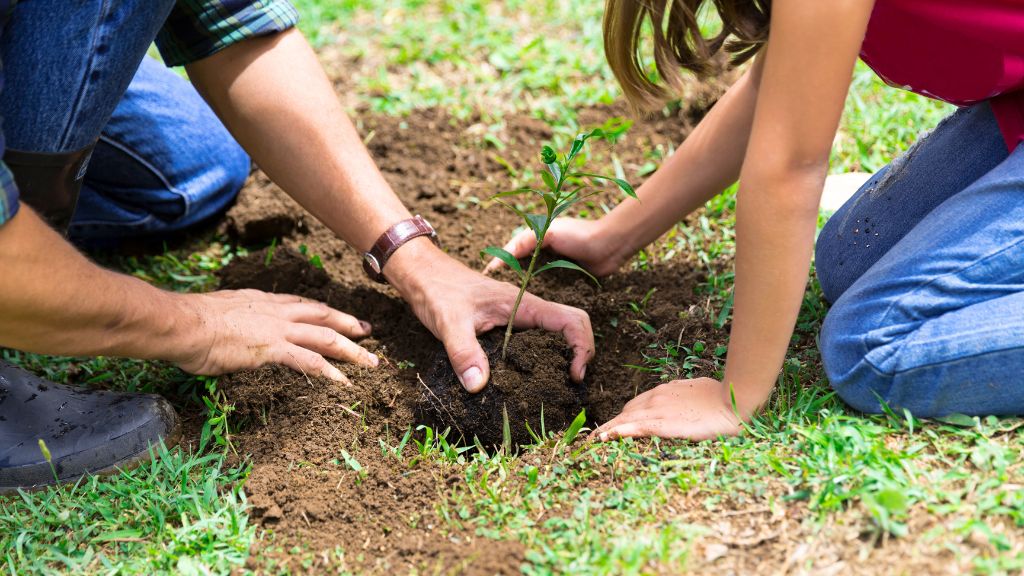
x: 696, y: 409
x: 583, y: 241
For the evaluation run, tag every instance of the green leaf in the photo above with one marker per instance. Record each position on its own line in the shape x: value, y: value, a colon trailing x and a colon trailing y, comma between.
x: 523, y: 215
x: 961, y: 420
x: 506, y: 431
x: 549, y: 180
x: 548, y: 155
x: 565, y: 264
x: 126, y: 534
x: 538, y: 223
x: 622, y: 184
x: 569, y: 204
x: 579, y: 141
x: 550, y: 202
x: 724, y: 314
x: 515, y: 192
x: 574, y: 429
x: 505, y: 256
x: 556, y: 171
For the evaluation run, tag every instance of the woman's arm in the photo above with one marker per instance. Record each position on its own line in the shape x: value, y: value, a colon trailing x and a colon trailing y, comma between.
x: 809, y: 60
x: 706, y: 163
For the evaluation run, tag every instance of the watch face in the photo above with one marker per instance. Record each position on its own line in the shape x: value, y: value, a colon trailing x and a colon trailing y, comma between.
x: 372, y: 262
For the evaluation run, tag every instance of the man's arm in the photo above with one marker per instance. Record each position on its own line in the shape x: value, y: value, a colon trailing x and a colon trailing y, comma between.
x: 275, y: 99
x: 53, y: 300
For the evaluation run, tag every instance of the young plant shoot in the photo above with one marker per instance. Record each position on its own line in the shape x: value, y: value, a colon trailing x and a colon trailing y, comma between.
x: 564, y: 186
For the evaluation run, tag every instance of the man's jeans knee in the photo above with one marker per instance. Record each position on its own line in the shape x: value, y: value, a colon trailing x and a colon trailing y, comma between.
x: 164, y: 162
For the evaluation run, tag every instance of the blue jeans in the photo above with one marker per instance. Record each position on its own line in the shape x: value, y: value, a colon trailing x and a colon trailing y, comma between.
x: 925, y: 267
x: 76, y: 73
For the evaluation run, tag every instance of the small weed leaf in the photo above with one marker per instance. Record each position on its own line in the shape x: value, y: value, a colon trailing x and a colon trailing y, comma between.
x: 503, y: 255
x: 724, y: 314
x: 351, y: 461
x: 961, y: 420
x: 574, y: 429
x: 565, y: 264
x: 506, y: 431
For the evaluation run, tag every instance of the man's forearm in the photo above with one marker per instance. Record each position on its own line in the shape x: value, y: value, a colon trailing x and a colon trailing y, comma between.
x: 53, y: 300
x: 275, y: 99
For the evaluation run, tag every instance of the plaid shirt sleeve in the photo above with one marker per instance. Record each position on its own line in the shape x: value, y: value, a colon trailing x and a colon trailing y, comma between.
x: 196, y: 29
x: 8, y: 195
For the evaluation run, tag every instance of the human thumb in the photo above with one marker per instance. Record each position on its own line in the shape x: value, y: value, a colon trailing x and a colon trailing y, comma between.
x: 468, y: 359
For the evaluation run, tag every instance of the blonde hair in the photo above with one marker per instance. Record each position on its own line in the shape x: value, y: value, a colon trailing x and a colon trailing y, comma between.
x: 678, y: 42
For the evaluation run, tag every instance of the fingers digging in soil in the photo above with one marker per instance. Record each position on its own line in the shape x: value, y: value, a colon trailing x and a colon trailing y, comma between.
x: 327, y: 342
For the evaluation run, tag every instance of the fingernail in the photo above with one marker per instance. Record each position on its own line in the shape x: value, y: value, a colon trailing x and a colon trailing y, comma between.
x: 583, y: 373
x: 472, y: 379
x: 365, y: 326
x: 603, y: 436
x: 373, y: 359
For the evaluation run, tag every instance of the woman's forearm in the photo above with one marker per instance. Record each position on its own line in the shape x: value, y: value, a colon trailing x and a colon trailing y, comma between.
x: 775, y: 227
x: 707, y: 162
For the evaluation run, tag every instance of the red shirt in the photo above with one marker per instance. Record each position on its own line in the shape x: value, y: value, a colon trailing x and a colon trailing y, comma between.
x: 959, y: 51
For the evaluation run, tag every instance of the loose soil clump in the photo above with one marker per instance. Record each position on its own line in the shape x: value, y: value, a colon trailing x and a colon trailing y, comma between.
x: 530, y: 389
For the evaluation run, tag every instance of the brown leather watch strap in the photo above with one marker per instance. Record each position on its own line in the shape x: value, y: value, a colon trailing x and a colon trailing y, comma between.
x: 392, y: 239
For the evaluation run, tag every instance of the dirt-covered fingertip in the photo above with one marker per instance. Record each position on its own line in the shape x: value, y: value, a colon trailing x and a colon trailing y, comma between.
x: 336, y: 375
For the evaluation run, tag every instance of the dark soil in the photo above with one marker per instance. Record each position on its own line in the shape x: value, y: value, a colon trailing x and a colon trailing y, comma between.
x: 530, y: 387
x: 384, y: 517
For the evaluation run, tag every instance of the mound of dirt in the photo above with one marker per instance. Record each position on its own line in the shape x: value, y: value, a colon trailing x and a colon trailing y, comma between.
x: 530, y: 387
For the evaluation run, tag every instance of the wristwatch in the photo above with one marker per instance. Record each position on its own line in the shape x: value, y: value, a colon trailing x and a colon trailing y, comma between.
x: 392, y: 239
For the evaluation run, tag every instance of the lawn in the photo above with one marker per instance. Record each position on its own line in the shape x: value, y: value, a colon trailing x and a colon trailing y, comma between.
x: 809, y: 487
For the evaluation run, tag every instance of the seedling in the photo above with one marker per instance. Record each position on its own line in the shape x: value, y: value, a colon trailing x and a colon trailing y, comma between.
x: 563, y: 187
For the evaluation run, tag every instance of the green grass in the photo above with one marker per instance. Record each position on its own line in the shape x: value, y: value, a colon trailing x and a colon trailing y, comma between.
x: 626, y: 507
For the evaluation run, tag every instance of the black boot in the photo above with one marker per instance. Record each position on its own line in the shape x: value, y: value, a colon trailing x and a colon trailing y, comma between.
x: 50, y: 182
x: 86, y: 431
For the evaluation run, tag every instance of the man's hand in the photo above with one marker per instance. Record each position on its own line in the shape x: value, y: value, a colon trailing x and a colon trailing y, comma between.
x: 240, y: 329
x: 456, y: 303
x: 696, y: 409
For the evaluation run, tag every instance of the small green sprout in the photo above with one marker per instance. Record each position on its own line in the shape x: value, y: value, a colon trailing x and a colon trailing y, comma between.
x: 564, y: 187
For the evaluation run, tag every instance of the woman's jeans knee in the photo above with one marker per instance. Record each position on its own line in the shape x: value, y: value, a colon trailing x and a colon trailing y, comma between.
x: 930, y: 316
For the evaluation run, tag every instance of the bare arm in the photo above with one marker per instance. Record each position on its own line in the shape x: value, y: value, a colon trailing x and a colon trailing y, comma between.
x: 53, y: 300
x: 809, y: 62
x: 706, y: 163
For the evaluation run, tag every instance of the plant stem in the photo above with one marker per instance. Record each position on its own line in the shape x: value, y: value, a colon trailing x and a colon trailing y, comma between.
x: 522, y: 290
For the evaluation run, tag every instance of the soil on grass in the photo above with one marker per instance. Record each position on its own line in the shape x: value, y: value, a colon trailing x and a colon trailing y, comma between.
x: 530, y: 389
x: 323, y: 483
